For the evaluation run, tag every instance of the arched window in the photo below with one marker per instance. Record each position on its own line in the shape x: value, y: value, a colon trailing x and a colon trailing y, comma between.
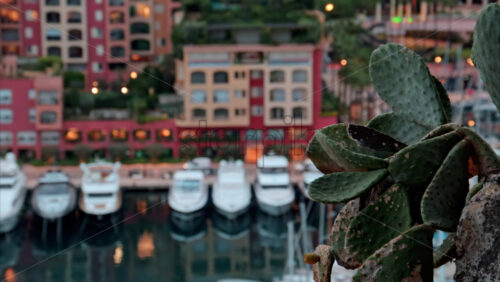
x: 117, y: 34
x: 52, y: 17
x: 48, y: 117
x: 299, y: 112
x: 299, y: 76
x: 298, y: 94
x: 221, y: 114
x: 53, y: 34
x: 74, y: 34
x: 74, y: 17
x: 277, y: 95
x: 197, y: 77
x: 73, y: 2
x: 198, y: 96
x: 277, y: 113
x: 139, y: 28
x: 199, y: 113
x: 220, y: 77
x: 221, y: 96
x: 116, y: 17
x: 277, y: 76
x: 75, y: 52
x: 140, y: 45
x: 118, y: 51
x: 54, y: 51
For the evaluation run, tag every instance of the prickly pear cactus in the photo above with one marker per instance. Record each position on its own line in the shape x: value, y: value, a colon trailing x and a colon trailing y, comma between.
x: 405, y: 175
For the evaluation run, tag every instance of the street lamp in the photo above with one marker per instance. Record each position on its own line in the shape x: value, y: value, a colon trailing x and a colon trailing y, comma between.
x: 124, y: 90
x: 438, y: 59
x: 94, y: 90
x: 343, y: 62
x: 133, y: 75
x: 329, y: 7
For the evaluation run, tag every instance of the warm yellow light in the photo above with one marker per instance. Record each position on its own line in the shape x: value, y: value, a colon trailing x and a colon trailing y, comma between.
x: 329, y: 7
x: 95, y: 83
x: 133, y: 75
x: 94, y: 90
x: 165, y: 132
x: 343, y: 62
x: 438, y: 59
x: 471, y: 123
x: 470, y: 62
x: 72, y: 134
x: 10, y: 275
x: 124, y: 90
x: 145, y: 245
x: 118, y: 255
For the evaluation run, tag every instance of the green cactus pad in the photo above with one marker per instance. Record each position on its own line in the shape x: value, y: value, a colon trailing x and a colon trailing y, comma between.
x: 476, y: 188
x: 341, y: 187
x: 398, y: 127
x: 340, y: 151
x: 382, y: 145
x: 446, y: 252
x: 486, y: 49
x: 340, y: 226
x: 320, y: 158
x: 407, y: 257
x: 411, y: 93
x: 415, y: 165
x: 442, y: 129
x: 378, y: 223
x: 443, y: 97
x: 444, y: 198
x: 484, y: 156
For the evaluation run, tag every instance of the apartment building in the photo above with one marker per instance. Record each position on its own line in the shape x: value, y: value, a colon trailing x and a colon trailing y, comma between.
x: 10, y: 27
x: 30, y: 114
x: 262, y: 94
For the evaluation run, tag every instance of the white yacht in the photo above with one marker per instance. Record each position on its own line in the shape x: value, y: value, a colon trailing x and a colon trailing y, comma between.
x: 309, y: 174
x: 12, y: 192
x: 273, y: 189
x: 231, y: 192
x: 101, y: 194
x: 54, y: 197
x: 189, y: 193
x: 202, y: 164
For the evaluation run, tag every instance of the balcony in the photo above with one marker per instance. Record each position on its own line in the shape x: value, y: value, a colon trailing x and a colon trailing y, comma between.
x: 10, y: 35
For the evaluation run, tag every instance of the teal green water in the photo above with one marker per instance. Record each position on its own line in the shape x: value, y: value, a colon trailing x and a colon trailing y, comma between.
x: 145, y: 244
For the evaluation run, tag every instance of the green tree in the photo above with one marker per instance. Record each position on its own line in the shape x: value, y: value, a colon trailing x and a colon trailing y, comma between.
x: 154, y: 151
x: 83, y: 152
x: 118, y: 151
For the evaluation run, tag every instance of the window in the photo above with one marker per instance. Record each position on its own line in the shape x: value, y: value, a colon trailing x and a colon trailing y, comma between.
x: 32, y: 115
x: 253, y: 135
x: 73, y: 2
x: 98, y: 1
x: 139, y: 45
x: 257, y: 111
x: 116, y: 17
x: 117, y: 51
x: 51, y: 2
x: 72, y: 135
x: 221, y: 96
x: 5, y: 138
x: 119, y: 134
x: 99, y: 50
x: 50, y: 137
x: 52, y: 17
x: 239, y: 74
x: 220, y: 114
x: 75, y: 52
x: 9, y: 16
x: 199, y: 113
x: 97, y: 67
x: 26, y: 138
x: 28, y: 32
x: 277, y: 95
x: 299, y: 76
x: 53, y: 34
x: 275, y: 134
x: 5, y: 96
x: 117, y: 34
x: 239, y: 94
x: 54, y: 51
x: 239, y: 112
x: 299, y: 112
x: 74, y: 34
x: 5, y: 116
x: 48, y: 97
x: 256, y: 74
x: 164, y: 134
x: 140, y: 10
x: 96, y: 32
x: 257, y: 92
x: 299, y: 94
x: 96, y: 135
x: 161, y: 42
x: 198, y: 96
x: 115, y: 2
x: 74, y: 17
x: 277, y: 76
x: 10, y: 34
x: 141, y: 134
x: 98, y: 15
x: 32, y: 50
x: 220, y: 77
x: 32, y: 94
x: 277, y: 113
x: 159, y: 8
x: 197, y: 77
x: 48, y: 117
x: 298, y: 134
x: 139, y: 28
x: 31, y: 15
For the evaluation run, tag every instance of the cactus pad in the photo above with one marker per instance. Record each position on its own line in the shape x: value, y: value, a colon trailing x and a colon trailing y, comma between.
x: 340, y: 187
x: 399, y: 127
x: 443, y: 97
x: 407, y: 257
x: 410, y: 93
x: 320, y: 158
x: 415, y: 165
x: 486, y: 49
x: 444, y: 198
x: 485, y: 157
x: 473, y: 191
x: 378, y: 223
x: 340, y: 226
x: 446, y: 252
x: 442, y: 129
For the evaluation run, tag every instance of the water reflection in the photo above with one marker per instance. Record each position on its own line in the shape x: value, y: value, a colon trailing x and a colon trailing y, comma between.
x: 151, y: 244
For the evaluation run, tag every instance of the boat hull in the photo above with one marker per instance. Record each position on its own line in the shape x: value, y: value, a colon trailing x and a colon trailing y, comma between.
x: 8, y: 223
x: 274, y: 207
x: 40, y: 210
x: 93, y: 210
